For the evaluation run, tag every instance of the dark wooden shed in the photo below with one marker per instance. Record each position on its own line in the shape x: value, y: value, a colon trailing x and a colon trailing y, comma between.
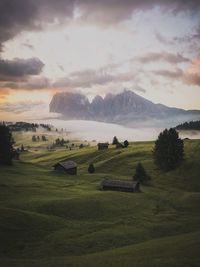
x: 116, y: 185
x: 102, y: 146
x: 68, y: 166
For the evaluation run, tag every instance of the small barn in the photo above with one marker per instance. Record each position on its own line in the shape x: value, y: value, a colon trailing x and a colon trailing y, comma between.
x: 68, y: 166
x: 124, y: 186
x: 102, y: 146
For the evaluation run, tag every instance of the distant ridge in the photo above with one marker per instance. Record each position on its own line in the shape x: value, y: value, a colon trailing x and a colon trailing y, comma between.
x: 126, y: 108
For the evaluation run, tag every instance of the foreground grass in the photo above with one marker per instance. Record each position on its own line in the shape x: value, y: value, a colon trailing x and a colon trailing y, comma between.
x: 52, y: 219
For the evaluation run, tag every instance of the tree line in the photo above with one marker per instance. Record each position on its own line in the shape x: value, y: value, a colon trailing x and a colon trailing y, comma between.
x: 25, y: 126
x: 192, y: 125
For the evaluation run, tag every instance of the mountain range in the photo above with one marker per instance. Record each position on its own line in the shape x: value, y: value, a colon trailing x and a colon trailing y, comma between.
x: 126, y: 108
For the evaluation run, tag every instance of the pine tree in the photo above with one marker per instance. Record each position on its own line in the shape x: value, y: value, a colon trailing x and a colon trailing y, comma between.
x: 91, y: 168
x: 126, y: 143
x: 169, y: 150
x: 22, y: 148
x: 115, y: 140
x: 140, y: 174
x: 34, y: 138
x: 6, y: 145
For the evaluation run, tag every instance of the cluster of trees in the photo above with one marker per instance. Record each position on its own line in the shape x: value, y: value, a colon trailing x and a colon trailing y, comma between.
x: 118, y: 144
x: 25, y: 126
x: 46, y: 126
x: 192, y: 125
x: 168, y: 153
x: 37, y: 138
x: 60, y: 142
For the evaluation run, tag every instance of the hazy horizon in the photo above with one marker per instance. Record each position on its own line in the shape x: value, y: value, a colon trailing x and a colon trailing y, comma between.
x: 104, y: 132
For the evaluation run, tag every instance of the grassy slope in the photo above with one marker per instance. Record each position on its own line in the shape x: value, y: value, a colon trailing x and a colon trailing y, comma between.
x: 52, y: 219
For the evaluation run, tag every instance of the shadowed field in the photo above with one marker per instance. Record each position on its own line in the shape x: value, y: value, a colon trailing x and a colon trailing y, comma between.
x: 53, y: 219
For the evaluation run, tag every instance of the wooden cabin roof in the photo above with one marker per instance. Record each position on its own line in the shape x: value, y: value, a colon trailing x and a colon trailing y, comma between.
x: 69, y: 164
x: 121, y: 184
x: 103, y: 144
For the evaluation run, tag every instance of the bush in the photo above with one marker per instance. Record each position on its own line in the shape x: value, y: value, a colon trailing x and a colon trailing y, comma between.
x: 169, y: 150
x: 140, y: 174
x: 115, y: 140
x: 126, y: 143
x: 91, y: 168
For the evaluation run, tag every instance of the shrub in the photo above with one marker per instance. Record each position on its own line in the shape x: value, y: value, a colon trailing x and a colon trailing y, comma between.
x: 91, y: 168
x: 115, y: 140
x: 126, y: 143
x: 140, y: 174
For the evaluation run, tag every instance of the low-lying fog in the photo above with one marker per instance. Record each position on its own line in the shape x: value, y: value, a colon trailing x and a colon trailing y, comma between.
x: 100, y: 131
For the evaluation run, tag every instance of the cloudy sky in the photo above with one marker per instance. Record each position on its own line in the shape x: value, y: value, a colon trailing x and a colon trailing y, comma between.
x: 95, y: 47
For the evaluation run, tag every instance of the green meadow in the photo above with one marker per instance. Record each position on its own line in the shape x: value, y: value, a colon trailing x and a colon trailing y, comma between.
x: 53, y: 219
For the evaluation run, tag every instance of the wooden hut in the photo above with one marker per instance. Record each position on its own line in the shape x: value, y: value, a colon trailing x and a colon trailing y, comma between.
x: 68, y: 166
x: 102, y: 146
x: 116, y: 185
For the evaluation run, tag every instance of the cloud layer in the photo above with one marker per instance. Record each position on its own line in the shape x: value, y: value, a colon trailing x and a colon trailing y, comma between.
x: 163, y: 56
x: 26, y: 15
x: 20, y: 107
x: 19, y: 68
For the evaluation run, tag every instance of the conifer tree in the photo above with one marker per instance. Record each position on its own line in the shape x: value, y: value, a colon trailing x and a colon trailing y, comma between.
x: 169, y: 150
x: 91, y: 168
x: 115, y: 140
x: 6, y: 145
x: 126, y: 143
x: 140, y: 174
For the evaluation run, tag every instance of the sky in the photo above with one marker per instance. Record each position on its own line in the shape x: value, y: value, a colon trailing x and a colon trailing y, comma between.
x: 97, y: 47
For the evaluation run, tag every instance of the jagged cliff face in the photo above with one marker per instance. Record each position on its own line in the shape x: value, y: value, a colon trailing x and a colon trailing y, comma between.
x: 74, y: 106
x: 121, y: 108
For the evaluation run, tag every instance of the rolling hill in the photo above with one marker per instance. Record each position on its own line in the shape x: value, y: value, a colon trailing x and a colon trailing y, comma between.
x: 53, y: 219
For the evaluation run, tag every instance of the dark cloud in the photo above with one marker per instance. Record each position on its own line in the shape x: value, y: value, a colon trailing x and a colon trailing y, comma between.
x: 20, y: 107
x: 28, y: 46
x: 112, y: 11
x: 26, y: 15
x: 192, y: 78
x: 162, y: 39
x: 175, y: 74
x: 19, y: 68
x: 61, y: 67
x: 31, y: 84
x: 190, y: 40
x: 195, y: 36
x: 84, y: 79
x: 88, y: 78
x: 163, y: 56
x: 189, y: 78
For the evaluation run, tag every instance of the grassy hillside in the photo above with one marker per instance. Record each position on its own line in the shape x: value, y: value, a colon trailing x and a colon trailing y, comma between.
x: 53, y: 219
